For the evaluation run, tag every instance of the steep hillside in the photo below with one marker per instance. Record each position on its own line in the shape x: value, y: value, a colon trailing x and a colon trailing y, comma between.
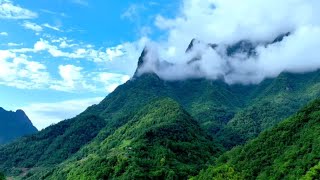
x: 288, y: 151
x: 51, y: 145
x: 161, y: 141
x: 14, y: 125
x: 274, y: 100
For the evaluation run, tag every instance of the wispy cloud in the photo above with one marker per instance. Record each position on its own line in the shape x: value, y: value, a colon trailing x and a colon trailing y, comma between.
x: 51, y: 27
x: 81, y: 2
x: 72, y: 79
x: 4, y: 34
x: 10, y: 11
x: 54, y: 13
x: 45, y: 114
x: 14, y: 44
x: 32, y: 26
x: 110, y: 80
x: 133, y: 12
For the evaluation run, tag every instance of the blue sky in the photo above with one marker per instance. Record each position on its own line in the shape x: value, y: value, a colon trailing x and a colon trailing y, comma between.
x: 54, y: 54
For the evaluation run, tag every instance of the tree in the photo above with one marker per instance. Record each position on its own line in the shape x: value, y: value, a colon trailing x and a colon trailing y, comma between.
x: 2, y: 177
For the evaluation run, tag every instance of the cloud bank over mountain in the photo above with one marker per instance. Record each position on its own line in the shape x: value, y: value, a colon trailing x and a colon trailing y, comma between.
x: 227, y: 22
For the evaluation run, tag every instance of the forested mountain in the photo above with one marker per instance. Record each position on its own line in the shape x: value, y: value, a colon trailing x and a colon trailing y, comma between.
x: 14, y: 125
x: 161, y: 141
x: 290, y: 150
x: 215, y: 106
x: 276, y: 99
x: 153, y: 128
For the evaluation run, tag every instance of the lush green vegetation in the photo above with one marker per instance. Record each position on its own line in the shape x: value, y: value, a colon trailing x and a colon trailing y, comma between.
x: 274, y: 100
x: 161, y: 141
x: 51, y: 146
x: 288, y: 151
x: 2, y: 177
x: 313, y: 173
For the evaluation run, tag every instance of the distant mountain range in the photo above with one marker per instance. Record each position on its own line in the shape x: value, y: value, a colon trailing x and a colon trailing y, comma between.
x: 14, y: 125
x: 149, y: 128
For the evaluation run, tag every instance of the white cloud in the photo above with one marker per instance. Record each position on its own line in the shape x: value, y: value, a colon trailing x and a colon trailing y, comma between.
x: 132, y: 12
x: 81, y: 2
x: 72, y: 78
x: 64, y: 44
x: 70, y: 73
x: 127, y: 52
x: 32, y: 26
x: 10, y: 11
x: 43, y: 45
x: 111, y: 87
x: 26, y: 74
x: 124, y: 57
x: 115, y: 52
x: 51, y: 27
x: 4, y: 34
x: 14, y: 44
x: 228, y: 21
x: 45, y: 114
x: 54, y: 13
x: 17, y: 71
x: 111, y: 80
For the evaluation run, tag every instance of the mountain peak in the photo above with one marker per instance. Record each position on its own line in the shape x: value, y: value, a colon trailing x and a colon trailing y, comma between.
x: 20, y: 111
x: 281, y: 37
x: 142, y: 57
x: 149, y: 61
x: 14, y: 125
x: 192, y: 44
x: 141, y: 61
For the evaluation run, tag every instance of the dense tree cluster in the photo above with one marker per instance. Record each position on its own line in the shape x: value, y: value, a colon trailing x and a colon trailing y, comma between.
x: 160, y: 142
x: 288, y: 151
x: 2, y: 177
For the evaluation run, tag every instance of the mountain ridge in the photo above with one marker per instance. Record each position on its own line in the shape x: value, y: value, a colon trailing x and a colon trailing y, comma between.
x: 197, y: 55
x: 14, y: 124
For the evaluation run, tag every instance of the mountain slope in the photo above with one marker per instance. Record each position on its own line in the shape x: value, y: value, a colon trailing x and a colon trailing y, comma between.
x: 277, y: 100
x: 14, y: 125
x: 51, y: 145
x: 160, y: 141
x: 288, y: 151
